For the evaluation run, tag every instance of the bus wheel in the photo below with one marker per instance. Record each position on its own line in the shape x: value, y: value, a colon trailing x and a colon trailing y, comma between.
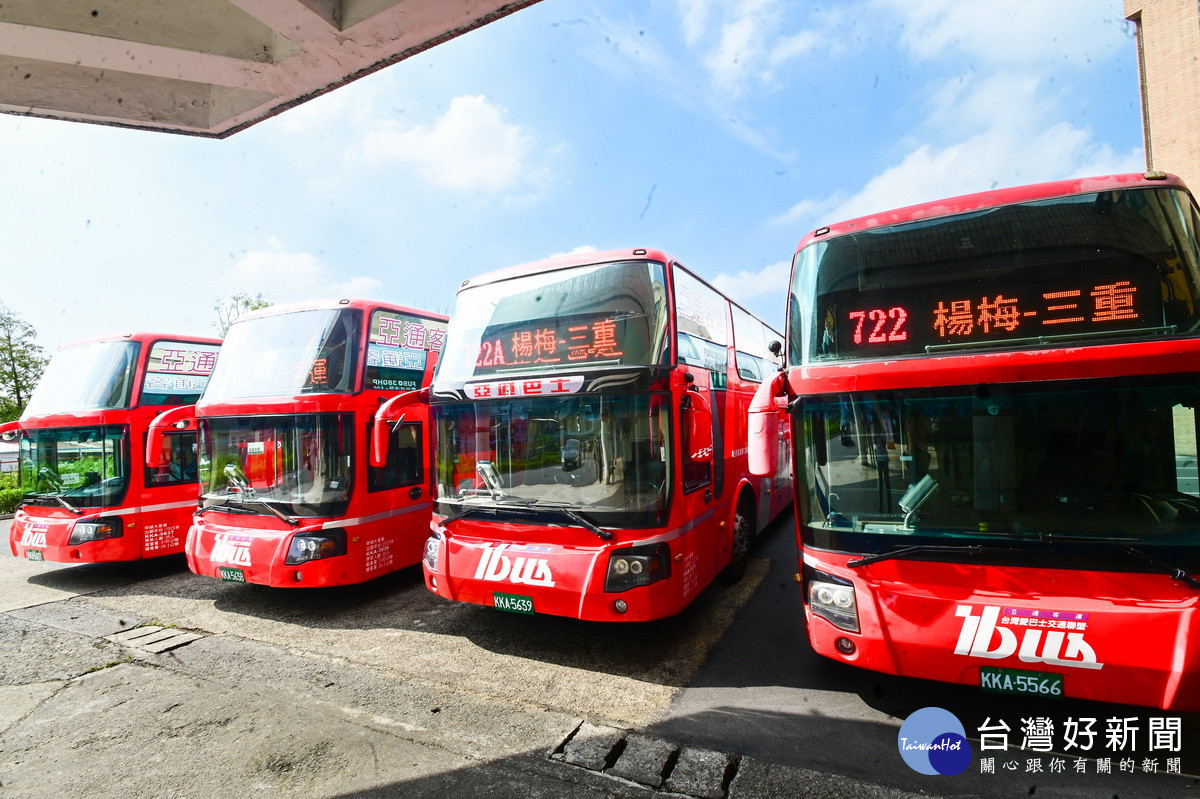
x: 739, y: 545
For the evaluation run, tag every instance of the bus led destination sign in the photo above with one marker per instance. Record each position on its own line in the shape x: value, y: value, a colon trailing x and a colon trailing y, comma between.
x: 912, y: 321
x: 548, y: 342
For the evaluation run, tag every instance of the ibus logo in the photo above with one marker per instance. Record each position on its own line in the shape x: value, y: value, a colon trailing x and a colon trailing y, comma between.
x: 231, y: 550
x: 33, y: 538
x: 982, y: 637
x: 498, y: 567
x: 934, y: 741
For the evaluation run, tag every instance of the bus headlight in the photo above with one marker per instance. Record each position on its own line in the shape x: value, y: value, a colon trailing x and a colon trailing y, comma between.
x: 835, y: 603
x: 95, y: 530
x: 314, y: 547
x: 433, y: 548
x: 636, y: 566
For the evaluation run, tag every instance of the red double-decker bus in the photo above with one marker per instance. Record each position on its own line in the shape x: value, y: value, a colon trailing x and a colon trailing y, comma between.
x: 82, y: 442
x: 590, y: 420
x: 287, y: 496
x: 997, y: 467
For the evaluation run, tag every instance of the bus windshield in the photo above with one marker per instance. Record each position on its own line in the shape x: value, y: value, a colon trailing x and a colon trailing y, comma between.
x: 1119, y: 263
x: 301, y: 465
x: 305, y: 352
x: 606, y: 456
x: 595, y: 315
x: 1113, y: 458
x: 95, y: 376
x: 75, y: 466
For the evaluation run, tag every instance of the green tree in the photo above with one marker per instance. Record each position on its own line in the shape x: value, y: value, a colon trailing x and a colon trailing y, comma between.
x: 22, y: 361
x: 230, y: 308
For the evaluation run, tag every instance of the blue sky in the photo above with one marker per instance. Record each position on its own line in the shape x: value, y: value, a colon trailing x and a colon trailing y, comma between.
x: 719, y: 131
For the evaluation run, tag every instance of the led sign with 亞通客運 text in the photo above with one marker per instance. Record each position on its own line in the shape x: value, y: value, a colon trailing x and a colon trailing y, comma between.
x: 549, y: 342
x: 912, y: 320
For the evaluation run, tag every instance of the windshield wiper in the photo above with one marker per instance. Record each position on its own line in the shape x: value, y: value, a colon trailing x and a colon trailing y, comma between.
x: 292, y: 520
x: 517, y: 507
x: 571, y: 514
x: 60, y: 501
x: 902, y: 552
x: 1171, y: 571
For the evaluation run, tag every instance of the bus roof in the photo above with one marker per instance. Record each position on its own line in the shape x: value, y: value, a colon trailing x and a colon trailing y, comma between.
x: 141, y: 335
x: 992, y: 198
x: 336, y: 302
x: 593, y: 257
x: 566, y: 261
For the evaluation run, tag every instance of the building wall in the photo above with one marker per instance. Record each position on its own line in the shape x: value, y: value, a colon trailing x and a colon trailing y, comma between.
x: 1168, y: 34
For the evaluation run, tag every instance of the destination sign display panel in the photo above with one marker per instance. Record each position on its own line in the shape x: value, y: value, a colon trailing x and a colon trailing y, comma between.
x: 980, y: 314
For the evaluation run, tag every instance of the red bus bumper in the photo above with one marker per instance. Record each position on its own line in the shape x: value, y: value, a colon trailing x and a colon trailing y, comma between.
x: 243, y: 553
x: 555, y: 579
x: 45, y: 534
x: 1101, y: 636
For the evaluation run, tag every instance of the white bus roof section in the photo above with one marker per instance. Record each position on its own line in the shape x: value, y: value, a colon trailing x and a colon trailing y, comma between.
x: 209, y: 67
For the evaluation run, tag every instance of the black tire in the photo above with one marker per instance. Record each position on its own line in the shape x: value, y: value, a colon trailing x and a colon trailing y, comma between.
x: 741, y: 537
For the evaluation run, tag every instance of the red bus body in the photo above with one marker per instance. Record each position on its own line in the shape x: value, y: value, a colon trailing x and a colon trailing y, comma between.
x: 578, y: 411
x: 83, y: 439
x: 288, y: 498
x: 1016, y: 507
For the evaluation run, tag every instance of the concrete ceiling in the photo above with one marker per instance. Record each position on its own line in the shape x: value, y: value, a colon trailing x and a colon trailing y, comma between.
x: 208, y: 67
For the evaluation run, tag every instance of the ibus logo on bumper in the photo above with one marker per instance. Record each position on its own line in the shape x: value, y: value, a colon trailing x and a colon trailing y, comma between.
x: 1053, y: 637
x: 495, y: 566
x: 231, y: 549
x: 35, y: 535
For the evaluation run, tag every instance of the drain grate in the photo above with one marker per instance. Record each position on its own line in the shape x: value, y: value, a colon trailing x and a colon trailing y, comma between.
x: 652, y: 762
x: 153, y: 639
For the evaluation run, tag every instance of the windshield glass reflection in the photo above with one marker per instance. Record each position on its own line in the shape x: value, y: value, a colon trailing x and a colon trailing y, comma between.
x: 605, y: 456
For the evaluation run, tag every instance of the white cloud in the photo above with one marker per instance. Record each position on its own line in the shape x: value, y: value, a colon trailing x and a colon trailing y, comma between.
x: 581, y: 249
x: 745, y: 286
x: 998, y: 157
x: 1005, y: 129
x: 998, y: 33
x: 284, y: 276
x: 470, y: 148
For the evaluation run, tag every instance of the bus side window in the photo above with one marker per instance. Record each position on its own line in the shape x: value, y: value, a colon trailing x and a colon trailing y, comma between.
x: 1187, y: 475
x: 403, y: 467
x: 179, y: 461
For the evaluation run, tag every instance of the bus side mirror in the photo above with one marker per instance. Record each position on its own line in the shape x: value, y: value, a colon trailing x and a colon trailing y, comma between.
x: 9, y: 431
x: 762, y: 427
x: 699, y: 427
x: 389, y: 414
x: 181, y: 418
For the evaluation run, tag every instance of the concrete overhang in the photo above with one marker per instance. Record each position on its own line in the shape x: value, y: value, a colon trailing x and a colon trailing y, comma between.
x: 209, y: 67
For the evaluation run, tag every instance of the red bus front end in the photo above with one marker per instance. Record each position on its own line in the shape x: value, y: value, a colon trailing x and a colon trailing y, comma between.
x: 589, y: 430
x: 82, y: 447
x: 998, y: 425
x: 1103, y: 636
x: 289, y: 496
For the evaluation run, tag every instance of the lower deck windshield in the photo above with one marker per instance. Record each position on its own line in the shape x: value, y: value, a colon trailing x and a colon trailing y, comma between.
x: 605, y: 456
x: 84, y: 467
x: 297, y: 465
x: 1113, y: 460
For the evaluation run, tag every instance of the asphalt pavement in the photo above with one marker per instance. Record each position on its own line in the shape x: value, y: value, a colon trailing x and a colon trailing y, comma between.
x: 132, y: 680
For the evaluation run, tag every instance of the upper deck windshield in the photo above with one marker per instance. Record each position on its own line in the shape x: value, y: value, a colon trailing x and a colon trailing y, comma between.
x: 1119, y: 263
x: 605, y: 456
x: 595, y: 315
x: 75, y: 467
x: 304, y: 352
x: 298, y: 465
x: 98, y: 375
x: 1112, y: 459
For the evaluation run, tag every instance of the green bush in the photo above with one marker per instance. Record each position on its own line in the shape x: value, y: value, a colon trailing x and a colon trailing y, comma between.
x: 8, y: 480
x: 9, y: 498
